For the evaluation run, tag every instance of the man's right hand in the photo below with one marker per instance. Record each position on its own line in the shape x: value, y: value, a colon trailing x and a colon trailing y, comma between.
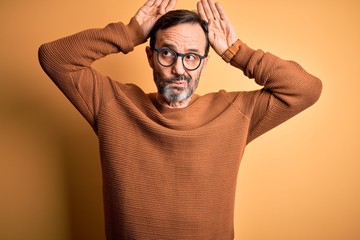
x: 152, y: 10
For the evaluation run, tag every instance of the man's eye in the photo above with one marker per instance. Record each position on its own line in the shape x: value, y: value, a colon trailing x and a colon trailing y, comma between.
x: 190, y: 57
x: 167, y: 53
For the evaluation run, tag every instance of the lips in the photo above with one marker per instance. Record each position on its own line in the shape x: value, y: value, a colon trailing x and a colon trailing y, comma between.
x: 179, y: 82
x: 180, y: 78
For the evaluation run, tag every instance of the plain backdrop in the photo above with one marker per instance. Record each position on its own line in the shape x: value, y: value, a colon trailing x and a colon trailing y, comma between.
x: 298, y: 181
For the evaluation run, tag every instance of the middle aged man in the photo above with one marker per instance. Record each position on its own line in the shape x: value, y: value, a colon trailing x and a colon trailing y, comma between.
x: 170, y: 159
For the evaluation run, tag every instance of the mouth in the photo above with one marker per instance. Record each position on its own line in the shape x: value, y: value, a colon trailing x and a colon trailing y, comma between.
x: 179, y: 83
x: 179, y: 79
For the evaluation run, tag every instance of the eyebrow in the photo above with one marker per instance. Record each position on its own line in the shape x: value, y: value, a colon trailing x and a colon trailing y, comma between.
x: 171, y: 46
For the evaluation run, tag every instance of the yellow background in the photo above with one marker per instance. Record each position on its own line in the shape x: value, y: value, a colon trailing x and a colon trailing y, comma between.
x: 299, y: 181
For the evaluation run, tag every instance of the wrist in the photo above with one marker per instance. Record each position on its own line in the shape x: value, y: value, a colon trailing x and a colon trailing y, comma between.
x: 231, y: 51
x: 135, y: 32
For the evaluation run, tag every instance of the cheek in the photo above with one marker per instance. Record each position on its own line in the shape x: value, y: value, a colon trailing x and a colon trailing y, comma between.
x: 161, y: 71
x: 196, y: 76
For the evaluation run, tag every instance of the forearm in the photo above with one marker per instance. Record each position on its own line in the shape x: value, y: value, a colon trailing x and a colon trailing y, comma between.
x: 67, y: 62
x: 287, y: 88
x: 285, y: 80
x: 70, y: 54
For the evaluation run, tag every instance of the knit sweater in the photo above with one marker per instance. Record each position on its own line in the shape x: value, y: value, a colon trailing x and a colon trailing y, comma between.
x: 171, y: 173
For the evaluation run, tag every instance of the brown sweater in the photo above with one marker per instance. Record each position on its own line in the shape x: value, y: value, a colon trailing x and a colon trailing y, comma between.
x: 171, y: 173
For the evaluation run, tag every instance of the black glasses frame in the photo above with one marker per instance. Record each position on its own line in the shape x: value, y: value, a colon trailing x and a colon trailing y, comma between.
x: 176, y: 54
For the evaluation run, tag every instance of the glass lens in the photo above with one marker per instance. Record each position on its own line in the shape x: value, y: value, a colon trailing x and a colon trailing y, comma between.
x: 191, y: 61
x: 168, y: 57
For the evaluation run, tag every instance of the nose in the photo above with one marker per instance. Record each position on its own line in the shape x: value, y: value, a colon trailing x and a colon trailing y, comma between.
x: 178, y: 67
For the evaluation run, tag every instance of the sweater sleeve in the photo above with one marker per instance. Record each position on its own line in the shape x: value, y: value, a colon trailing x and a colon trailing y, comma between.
x: 68, y: 61
x: 287, y: 89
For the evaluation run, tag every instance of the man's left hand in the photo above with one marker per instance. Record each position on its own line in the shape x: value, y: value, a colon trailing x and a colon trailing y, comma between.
x: 221, y: 31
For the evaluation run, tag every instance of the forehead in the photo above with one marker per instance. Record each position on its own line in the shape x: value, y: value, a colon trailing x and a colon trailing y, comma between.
x: 182, y: 37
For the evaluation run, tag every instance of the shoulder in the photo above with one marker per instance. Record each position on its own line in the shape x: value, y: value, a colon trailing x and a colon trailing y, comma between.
x: 244, y: 101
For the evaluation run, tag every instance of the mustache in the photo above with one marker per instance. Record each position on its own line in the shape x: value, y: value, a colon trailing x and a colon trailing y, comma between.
x: 181, y: 77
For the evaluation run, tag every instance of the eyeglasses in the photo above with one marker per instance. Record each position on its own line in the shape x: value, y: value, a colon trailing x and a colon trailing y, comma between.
x: 167, y: 57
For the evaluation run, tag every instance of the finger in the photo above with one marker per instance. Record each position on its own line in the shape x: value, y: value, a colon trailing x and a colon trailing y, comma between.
x: 163, y: 5
x: 156, y: 3
x: 171, y: 5
x: 201, y: 11
x: 221, y: 12
x: 149, y: 3
x: 213, y: 9
x: 207, y: 10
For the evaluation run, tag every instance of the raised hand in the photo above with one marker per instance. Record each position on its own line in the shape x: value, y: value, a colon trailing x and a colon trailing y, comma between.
x: 221, y: 31
x: 152, y: 10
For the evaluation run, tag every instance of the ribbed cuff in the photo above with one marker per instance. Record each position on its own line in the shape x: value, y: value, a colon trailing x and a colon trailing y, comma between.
x: 135, y: 32
x: 242, y: 57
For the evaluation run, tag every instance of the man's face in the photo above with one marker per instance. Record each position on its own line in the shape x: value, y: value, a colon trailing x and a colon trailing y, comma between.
x: 176, y: 83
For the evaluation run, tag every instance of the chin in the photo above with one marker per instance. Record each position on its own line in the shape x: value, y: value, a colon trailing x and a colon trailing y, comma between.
x: 176, y: 95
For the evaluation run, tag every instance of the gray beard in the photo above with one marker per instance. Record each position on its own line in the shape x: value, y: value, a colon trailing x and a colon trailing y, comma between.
x: 175, y: 94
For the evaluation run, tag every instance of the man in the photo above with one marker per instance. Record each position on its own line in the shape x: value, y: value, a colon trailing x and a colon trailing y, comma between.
x: 170, y: 159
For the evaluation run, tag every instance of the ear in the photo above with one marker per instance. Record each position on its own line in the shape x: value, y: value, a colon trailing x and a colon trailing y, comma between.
x: 150, y: 54
x: 205, y: 60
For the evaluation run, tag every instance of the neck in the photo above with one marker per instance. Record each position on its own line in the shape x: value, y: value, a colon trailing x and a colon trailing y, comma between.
x: 180, y: 104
